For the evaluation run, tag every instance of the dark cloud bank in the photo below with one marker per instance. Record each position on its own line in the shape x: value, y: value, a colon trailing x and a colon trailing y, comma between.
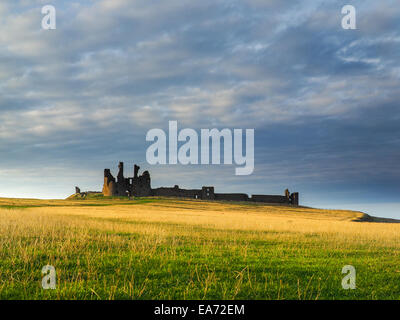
x: 323, y: 101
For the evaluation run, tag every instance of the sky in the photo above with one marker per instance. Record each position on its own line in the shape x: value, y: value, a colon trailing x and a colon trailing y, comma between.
x: 323, y: 101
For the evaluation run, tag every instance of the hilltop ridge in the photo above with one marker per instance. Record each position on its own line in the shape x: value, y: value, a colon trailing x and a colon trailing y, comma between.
x: 99, y: 200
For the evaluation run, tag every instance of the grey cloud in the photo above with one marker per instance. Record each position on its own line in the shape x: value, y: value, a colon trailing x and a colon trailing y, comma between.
x: 323, y: 101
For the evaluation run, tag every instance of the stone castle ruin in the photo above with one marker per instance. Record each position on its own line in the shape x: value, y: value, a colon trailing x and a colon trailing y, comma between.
x: 140, y: 186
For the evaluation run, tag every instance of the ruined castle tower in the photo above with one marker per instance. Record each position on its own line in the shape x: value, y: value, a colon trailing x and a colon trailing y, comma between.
x: 141, y: 185
x: 122, y: 183
x: 137, y: 185
x: 109, y: 187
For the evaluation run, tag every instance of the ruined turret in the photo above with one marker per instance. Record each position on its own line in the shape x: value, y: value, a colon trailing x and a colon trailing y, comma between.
x: 122, y: 183
x: 294, y: 198
x: 120, y: 176
x: 138, y: 185
x: 109, y: 187
x: 135, y: 171
x: 141, y: 185
x: 287, y: 194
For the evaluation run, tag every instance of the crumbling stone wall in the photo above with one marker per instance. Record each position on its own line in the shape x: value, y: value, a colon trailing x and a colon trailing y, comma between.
x: 269, y: 198
x: 140, y: 186
x: 232, y: 196
x: 177, y: 192
x: 207, y: 193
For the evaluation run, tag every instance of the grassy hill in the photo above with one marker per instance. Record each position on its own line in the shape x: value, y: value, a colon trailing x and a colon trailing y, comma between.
x: 163, y: 248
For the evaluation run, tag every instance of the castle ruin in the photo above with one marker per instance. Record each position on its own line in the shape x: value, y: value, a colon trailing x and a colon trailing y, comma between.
x: 140, y: 186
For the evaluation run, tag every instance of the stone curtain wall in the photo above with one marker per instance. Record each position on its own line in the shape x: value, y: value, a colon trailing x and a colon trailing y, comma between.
x: 140, y: 186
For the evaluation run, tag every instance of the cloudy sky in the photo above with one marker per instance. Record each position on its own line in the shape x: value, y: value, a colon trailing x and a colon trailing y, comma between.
x: 324, y: 101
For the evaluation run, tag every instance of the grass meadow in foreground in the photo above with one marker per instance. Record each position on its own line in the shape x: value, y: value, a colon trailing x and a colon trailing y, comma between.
x: 192, y: 249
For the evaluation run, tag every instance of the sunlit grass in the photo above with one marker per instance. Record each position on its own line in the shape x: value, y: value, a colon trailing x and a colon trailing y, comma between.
x: 188, y: 249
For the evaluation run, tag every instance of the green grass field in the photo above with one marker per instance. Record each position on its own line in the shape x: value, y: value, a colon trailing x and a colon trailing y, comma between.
x: 152, y: 248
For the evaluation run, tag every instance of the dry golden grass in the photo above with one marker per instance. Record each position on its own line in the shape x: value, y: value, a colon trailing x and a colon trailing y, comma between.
x: 116, y: 249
